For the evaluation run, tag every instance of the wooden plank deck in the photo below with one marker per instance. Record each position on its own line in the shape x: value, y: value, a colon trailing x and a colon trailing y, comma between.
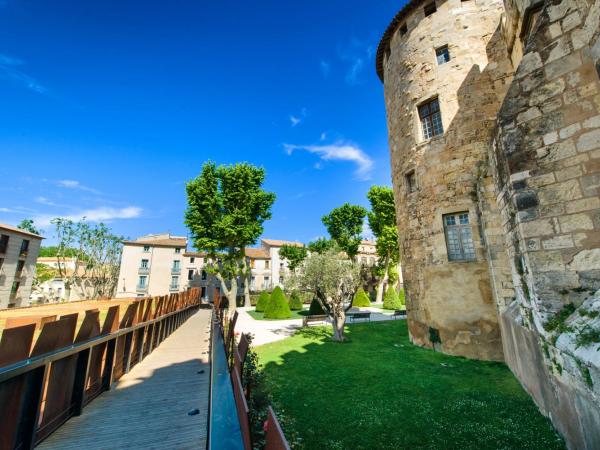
x: 148, y: 407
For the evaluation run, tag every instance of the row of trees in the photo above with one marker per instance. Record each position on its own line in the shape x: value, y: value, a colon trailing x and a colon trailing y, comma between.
x: 88, y: 257
x: 227, y: 207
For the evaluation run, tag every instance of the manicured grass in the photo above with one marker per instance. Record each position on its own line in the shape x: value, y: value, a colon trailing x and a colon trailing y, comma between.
x: 261, y: 315
x: 378, y: 391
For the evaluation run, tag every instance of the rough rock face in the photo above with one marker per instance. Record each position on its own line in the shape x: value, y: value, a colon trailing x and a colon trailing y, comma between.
x: 519, y: 156
x: 546, y: 167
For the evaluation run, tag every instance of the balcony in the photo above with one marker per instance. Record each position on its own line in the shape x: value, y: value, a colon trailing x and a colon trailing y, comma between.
x: 174, y: 287
x: 176, y: 270
x: 143, y: 270
x: 141, y: 288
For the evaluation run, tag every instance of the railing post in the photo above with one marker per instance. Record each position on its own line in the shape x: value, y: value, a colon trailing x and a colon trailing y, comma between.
x: 127, y: 351
x: 81, y: 374
x: 109, y: 366
x: 142, y: 340
x: 31, y: 406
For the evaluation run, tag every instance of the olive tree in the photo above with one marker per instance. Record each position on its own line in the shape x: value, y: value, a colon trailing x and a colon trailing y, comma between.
x: 334, y: 280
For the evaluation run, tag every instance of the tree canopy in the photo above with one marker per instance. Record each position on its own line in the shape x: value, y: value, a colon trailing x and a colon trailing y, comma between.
x: 227, y: 207
x: 321, y: 245
x: 382, y: 221
x: 344, y: 225
x: 293, y: 254
x: 28, y: 225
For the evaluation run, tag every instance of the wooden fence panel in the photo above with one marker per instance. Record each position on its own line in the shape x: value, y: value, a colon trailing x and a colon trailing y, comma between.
x: 275, y: 439
x: 15, y: 346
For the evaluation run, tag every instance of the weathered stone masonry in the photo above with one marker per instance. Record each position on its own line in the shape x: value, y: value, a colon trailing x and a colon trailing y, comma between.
x: 520, y: 157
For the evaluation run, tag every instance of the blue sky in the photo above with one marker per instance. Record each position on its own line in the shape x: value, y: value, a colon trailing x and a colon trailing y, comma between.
x: 109, y: 107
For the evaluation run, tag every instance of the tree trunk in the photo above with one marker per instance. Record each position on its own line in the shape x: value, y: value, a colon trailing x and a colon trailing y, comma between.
x: 383, y: 281
x: 246, y: 273
x: 231, y: 294
x: 338, y: 322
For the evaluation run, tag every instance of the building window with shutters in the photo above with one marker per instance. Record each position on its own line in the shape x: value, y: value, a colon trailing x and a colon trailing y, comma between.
x: 431, y: 118
x: 459, y: 237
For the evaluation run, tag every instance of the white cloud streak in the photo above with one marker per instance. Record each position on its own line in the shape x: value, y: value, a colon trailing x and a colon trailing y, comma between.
x: 101, y: 214
x: 9, y: 71
x: 325, y: 68
x: 74, y: 184
x: 295, y: 120
x: 339, y: 151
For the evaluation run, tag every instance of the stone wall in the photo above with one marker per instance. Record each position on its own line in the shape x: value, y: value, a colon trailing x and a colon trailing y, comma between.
x: 546, y: 166
x: 451, y: 304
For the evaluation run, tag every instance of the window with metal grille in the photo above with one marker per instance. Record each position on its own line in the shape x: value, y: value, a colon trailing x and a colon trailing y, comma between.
x: 442, y: 55
x: 431, y: 118
x: 459, y: 237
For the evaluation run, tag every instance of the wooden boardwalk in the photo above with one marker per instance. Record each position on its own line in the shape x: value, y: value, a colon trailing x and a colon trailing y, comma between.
x: 148, y: 407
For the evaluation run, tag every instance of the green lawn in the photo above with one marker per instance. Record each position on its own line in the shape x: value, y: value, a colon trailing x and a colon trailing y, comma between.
x: 379, y: 391
x: 295, y: 315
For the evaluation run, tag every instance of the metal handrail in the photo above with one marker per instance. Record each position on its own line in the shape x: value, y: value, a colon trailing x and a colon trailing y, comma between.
x: 13, y: 370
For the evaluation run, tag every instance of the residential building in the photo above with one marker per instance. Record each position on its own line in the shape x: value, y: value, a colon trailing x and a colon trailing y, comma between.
x: 493, y: 112
x: 54, y: 290
x: 160, y: 264
x: 152, y: 265
x: 19, y: 250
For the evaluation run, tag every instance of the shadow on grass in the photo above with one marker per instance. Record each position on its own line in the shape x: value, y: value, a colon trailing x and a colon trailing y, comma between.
x: 381, y: 392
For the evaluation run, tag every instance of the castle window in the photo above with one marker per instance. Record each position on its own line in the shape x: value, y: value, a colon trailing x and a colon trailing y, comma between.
x: 429, y: 9
x: 530, y: 18
x: 403, y: 29
x: 442, y: 55
x: 431, y: 118
x: 411, y: 182
x: 459, y: 237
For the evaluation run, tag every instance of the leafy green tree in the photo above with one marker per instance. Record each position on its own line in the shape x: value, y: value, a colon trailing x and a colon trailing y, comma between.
x: 321, y: 245
x: 361, y: 299
x: 96, y: 256
x: 227, y: 208
x: 334, y: 280
x: 294, y: 254
x: 27, y: 225
x: 278, y: 307
x: 382, y: 221
x: 263, y: 300
x: 344, y: 225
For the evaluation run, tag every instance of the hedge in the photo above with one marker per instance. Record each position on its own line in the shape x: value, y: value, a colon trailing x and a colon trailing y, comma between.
x: 361, y: 299
x: 278, y: 307
x: 263, y: 300
x: 295, y: 301
x: 391, y: 300
x: 315, y: 308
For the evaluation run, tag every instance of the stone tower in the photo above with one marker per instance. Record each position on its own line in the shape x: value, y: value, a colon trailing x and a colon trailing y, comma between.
x: 444, y: 67
x: 494, y: 124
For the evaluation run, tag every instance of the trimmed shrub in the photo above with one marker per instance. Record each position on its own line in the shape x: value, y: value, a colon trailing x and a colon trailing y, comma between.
x: 263, y: 300
x: 361, y: 298
x: 277, y: 308
x: 391, y: 300
x: 401, y: 297
x: 315, y: 308
x: 295, y: 301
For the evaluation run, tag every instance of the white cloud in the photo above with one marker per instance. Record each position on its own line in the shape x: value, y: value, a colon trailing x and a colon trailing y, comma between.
x: 355, y: 69
x: 44, y: 201
x: 325, y: 67
x: 74, y: 184
x: 339, y: 151
x: 101, y: 214
x: 356, y: 55
x: 323, y: 136
x: 298, y: 119
x: 9, y: 71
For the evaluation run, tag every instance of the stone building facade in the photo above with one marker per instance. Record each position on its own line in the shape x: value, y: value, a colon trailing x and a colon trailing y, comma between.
x: 494, y: 130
